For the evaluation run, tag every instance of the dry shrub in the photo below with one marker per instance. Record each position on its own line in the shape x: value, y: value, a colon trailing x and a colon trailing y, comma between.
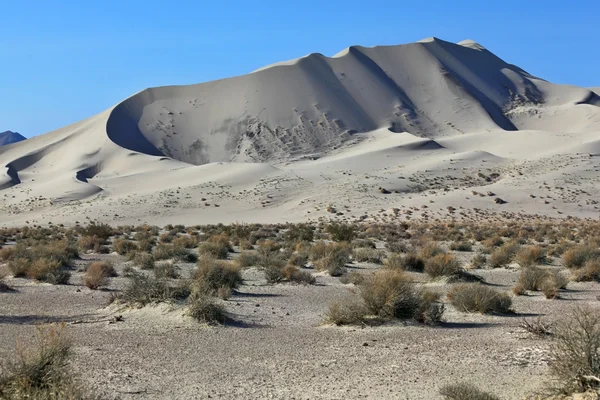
x: 369, y: 255
x: 268, y: 246
x: 353, y: 277
x: 430, y: 250
x: 48, y: 270
x: 430, y: 309
x: 7, y: 253
x: 577, y: 256
x: 478, y: 261
x: 494, y: 241
x: 213, y: 274
x: 204, y: 309
x: 503, y: 255
x: 588, y: 273
x: 396, y: 247
x: 341, y: 232
x: 90, y: 243
x: 214, y: 249
x: 475, y: 297
x: 539, y: 279
x: 186, y: 242
x: 293, y: 274
x: 529, y: 256
x: 351, y: 311
x: 299, y: 258
x: 143, y: 260
x: 465, y: 391
x: 443, y: 264
x: 166, y: 270
x: 575, y: 354
x: 124, y: 246
x: 144, y: 289
x: 461, y: 246
x: 538, y: 326
x: 42, y: 372
x: 246, y: 245
x: 98, y: 273
x: 318, y: 251
x: 247, y: 259
x: 390, y: 294
x: 334, y: 260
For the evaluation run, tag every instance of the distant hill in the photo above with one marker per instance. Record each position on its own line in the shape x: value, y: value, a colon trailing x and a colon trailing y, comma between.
x: 9, y: 137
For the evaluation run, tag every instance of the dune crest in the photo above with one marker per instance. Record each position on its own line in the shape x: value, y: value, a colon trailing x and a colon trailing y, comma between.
x: 314, y: 109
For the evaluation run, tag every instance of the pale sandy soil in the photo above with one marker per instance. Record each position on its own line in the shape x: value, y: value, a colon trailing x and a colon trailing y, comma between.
x: 276, y: 345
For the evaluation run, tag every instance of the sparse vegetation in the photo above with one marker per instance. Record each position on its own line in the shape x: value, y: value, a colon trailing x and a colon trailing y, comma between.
x: 442, y: 264
x: 465, y: 391
x: 475, y: 297
x: 98, y: 273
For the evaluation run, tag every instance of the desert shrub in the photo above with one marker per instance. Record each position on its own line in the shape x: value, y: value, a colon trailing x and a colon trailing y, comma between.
x: 394, y: 261
x: 589, y: 272
x: 102, y: 231
x: 299, y: 233
x: 461, y: 246
x: 478, y: 260
x: 341, y: 232
x: 396, y: 247
x: 430, y: 309
x: 465, y: 391
x: 204, y: 309
x: 144, y: 289
x: 539, y: 279
x: 538, y: 327
x: 143, y: 260
x: 293, y: 274
x: 212, y: 274
x: 351, y: 311
x: 334, y: 259
x: 7, y: 253
x: 42, y: 372
x: 298, y: 259
x: 443, y: 264
x: 503, y: 255
x: 390, y: 294
x: 98, y: 273
x: 494, y: 241
x: 90, y: 243
x: 48, y: 270
x: 529, y: 256
x: 575, y: 353
x: 167, y: 251
x: 167, y: 237
x: 369, y: 255
x: 474, y: 297
x: 247, y: 259
x: 268, y: 246
x: 246, y: 245
x: 214, y: 249
x: 430, y: 250
x: 353, y: 277
x: 124, y: 246
x: 18, y: 267
x: 166, y: 270
x: 577, y: 256
x: 318, y: 251
x: 186, y: 242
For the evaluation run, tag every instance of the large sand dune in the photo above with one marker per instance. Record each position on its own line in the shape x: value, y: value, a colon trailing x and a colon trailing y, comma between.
x: 430, y: 122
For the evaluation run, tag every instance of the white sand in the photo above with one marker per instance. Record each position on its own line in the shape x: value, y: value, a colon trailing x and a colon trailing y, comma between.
x: 283, y: 143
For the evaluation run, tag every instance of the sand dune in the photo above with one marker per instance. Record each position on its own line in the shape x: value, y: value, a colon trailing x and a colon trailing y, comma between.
x: 422, y: 121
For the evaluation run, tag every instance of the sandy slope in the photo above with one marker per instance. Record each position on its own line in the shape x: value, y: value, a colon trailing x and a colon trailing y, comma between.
x: 428, y: 121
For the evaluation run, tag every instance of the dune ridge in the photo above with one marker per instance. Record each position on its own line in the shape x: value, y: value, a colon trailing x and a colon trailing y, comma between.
x: 316, y: 123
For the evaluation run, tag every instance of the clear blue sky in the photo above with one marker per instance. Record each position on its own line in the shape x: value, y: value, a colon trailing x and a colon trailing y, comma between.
x: 63, y: 61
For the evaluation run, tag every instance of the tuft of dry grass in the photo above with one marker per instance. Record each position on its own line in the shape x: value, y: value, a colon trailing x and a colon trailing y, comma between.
x: 443, y: 264
x: 465, y: 391
x: 350, y: 311
x: 590, y: 272
x: 212, y: 274
x: 369, y: 255
x: 204, y: 309
x: 575, y: 353
x: 503, y: 255
x: 333, y: 259
x: 98, y: 273
x: 124, y: 246
x: 577, y: 256
x: 475, y: 297
x: 42, y: 372
x: 530, y: 256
